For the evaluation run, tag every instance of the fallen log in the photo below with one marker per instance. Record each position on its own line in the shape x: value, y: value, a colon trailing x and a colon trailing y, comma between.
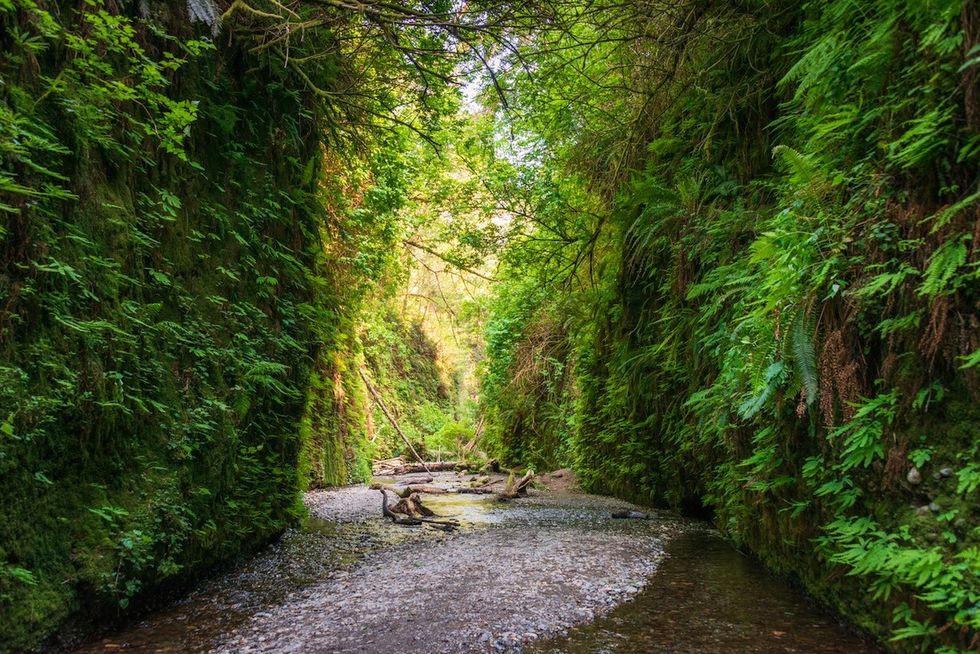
x: 440, y: 466
x: 414, y: 468
x: 421, y: 488
x: 443, y: 524
x: 481, y: 486
x: 381, y: 466
x: 412, y: 480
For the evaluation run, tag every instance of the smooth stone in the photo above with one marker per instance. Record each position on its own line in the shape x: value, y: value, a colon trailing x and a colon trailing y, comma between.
x: 934, y: 507
x: 630, y: 515
x: 914, y: 476
x: 946, y: 472
x: 923, y: 510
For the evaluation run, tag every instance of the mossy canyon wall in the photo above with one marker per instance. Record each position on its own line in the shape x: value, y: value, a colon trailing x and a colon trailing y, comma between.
x: 771, y: 318
x: 178, y: 320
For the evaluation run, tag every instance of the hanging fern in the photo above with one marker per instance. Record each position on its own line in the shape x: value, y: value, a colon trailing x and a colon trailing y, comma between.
x: 656, y: 204
x: 804, y: 358
x: 204, y: 11
x: 940, y: 275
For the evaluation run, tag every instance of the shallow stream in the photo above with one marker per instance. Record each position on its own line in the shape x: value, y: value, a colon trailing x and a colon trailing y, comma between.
x: 706, y: 598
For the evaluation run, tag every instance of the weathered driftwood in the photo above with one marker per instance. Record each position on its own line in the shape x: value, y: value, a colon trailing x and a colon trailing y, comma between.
x: 481, y: 486
x: 514, y: 489
x: 412, y: 506
x: 397, y: 519
x: 407, y: 491
x: 409, y: 481
x: 480, y: 490
x: 430, y: 466
x: 385, y: 469
x: 410, y: 511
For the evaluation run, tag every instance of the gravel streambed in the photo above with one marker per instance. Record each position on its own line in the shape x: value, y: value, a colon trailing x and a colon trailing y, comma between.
x: 351, y: 582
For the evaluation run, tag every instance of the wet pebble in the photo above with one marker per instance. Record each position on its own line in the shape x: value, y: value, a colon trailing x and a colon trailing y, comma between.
x: 348, y: 581
x: 532, y: 570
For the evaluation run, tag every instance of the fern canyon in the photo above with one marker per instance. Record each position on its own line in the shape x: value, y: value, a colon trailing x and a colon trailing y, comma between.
x: 469, y: 326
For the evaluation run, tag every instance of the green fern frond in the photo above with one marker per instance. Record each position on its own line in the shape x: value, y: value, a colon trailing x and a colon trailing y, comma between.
x: 940, y: 274
x: 804, y: 357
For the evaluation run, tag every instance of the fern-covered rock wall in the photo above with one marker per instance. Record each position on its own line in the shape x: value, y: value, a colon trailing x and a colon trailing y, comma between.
x: 169, y: 317
x: 790, y: 339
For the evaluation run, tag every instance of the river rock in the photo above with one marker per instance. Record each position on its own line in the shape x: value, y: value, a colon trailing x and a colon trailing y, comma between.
x: 946, y: 472
x: 914, y: 477
x: 933, y: 507
x: 923, y: 510
x: 630, y: 515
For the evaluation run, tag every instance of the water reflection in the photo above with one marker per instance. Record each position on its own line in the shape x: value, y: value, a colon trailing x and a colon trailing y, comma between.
x: 708, y: 598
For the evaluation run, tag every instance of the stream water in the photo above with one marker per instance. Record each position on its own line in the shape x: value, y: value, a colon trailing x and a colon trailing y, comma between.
x: 549, y: 574
x: 707, y: 597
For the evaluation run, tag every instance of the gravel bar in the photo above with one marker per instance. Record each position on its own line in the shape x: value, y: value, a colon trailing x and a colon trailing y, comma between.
x: 516, y: 572
x: 350, y: 581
